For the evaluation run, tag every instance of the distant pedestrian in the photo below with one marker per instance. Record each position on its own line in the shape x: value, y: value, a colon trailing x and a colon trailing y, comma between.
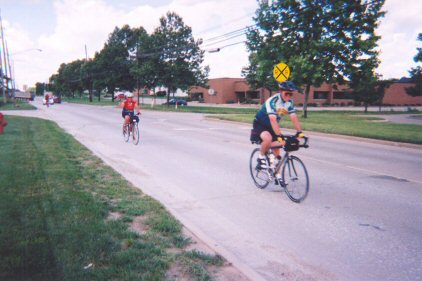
x: 47, y: 100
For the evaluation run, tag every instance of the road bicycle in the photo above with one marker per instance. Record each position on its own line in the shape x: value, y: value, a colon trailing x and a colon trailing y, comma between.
x: 289, y: 171
x: 132, y: 129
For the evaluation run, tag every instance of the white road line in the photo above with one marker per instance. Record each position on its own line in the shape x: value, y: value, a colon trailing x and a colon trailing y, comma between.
x: 194, y: 129
x: 363, y: 170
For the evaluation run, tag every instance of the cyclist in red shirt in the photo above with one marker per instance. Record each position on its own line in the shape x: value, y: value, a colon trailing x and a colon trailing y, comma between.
x: 129, y: 105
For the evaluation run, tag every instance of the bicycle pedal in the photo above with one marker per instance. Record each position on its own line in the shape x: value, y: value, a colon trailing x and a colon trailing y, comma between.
x: 280, y: 182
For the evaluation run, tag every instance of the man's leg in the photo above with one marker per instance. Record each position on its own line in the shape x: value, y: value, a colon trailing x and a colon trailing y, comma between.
x: 127, y: 118
x: 266, y: 142
x: 265, y: 145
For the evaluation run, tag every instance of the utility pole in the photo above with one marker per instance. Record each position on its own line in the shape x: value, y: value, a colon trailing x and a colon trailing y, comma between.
x: 137, y: 74
x: 3, y: 84
x: 89, y: 78
x: 12, y: 84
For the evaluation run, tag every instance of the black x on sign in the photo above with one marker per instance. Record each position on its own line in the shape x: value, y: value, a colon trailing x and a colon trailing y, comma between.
x: 281, y: 72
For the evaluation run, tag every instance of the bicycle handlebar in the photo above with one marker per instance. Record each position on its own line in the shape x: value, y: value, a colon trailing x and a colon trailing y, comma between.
x: 304, y: 144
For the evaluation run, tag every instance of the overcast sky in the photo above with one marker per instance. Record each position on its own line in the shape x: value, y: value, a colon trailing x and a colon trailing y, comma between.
x: 62, y: 28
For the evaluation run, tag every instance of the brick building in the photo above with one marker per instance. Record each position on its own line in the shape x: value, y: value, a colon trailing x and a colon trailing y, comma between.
x: 224, y: 90
x: 234, y: 90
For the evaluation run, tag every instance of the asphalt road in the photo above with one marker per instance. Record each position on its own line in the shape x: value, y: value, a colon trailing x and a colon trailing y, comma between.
x: 362, y: 219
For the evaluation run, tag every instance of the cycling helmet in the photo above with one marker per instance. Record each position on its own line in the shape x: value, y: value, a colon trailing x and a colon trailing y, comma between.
x: 287, y: 86
x: 129, y: 95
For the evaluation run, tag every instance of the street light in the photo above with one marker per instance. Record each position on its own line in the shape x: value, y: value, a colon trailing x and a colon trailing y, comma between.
x: 216, y: 50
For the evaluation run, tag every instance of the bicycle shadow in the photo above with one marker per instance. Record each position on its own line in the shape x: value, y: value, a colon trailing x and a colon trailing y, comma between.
x: 272, y: 187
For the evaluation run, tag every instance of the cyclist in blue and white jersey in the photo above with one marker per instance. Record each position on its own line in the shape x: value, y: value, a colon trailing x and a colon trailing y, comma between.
x: 265, y: 125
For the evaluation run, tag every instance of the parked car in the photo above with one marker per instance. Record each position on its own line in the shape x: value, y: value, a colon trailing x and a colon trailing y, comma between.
x: 178, y: 101
x: 57, y: 99
x: 120, y: 96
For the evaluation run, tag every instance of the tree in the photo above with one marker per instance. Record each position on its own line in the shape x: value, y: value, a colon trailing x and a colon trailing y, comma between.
x: 257, y: 75
x: 416, y: 74
x: 67, y: 81
x: 180, y: 58
x: 87, y: 77
x: 363, y: 85
x: 39, y: 88
x: 321, y: 41
x: 112, y: 63
x: 381, y: 86
x: 368, y: 88
x: 146, y: 60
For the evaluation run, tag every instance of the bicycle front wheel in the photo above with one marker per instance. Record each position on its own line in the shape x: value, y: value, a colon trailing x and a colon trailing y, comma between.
x: 295, y: 178
x: 260, y: 177
x: 126, y: 133
x: 135, y: 133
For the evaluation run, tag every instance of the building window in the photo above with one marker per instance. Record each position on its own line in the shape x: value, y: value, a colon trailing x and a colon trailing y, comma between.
x: 320, y: 95
x: 343, y: 95
x: 252, y: 95
x: 197, y: 96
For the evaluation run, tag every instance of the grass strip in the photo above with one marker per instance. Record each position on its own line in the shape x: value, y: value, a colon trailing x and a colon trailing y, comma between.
x: 346, y: 123
x: 172, y: 108
x: 64, y: 215
x: 19, y: 105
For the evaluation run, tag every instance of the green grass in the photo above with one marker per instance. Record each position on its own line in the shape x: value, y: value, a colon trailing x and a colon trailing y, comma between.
x: 55, y: 205
x: 147, y: 106
x: 20, y: 105
x: 346, y: 123
x: 85, y: 100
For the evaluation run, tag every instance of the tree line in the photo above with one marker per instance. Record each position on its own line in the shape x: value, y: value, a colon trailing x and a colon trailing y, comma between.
x: 133, y: 59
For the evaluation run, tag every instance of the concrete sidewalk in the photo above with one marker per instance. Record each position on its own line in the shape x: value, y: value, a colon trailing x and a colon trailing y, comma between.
x: 321, y: 108
x: 400, y: 118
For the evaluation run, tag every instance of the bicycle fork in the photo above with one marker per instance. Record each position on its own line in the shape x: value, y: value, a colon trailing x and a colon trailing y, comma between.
x: 279, y: 180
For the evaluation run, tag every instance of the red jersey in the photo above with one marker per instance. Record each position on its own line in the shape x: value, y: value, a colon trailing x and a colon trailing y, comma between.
x: 129, y: 105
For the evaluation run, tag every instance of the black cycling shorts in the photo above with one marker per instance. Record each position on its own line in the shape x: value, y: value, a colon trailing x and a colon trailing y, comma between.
x: 126, y: 112
x: 258, y: 128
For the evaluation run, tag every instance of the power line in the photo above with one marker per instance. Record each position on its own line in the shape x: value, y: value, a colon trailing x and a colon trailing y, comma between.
x: 231, y: 33
x: 226, y: 39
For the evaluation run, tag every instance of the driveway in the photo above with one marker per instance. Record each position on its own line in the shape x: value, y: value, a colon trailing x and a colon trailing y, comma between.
x: 401, y: 118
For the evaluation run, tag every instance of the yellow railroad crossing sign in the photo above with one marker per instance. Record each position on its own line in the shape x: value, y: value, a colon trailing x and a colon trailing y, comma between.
x: 281, y: 72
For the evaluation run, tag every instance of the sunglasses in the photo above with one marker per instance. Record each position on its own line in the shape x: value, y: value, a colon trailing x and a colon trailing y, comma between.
x: 288, y: 93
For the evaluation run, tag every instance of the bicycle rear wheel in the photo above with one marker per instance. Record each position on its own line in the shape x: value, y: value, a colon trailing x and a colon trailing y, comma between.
x: 135, y: 133
x: 260, y: 177
x: 126, y: 133
x: 295, y: 178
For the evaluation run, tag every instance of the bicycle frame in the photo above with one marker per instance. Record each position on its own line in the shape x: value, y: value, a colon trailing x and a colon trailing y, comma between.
x: 129, y: 129
x: 286, y: 154
x: 290, y: 172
